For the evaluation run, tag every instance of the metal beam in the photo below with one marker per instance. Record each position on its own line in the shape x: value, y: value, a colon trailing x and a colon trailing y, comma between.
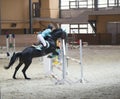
x: 30, y: 16
x: 96, y: 5
x: 59, y: 8
x: 118, y: 3
x: 0, y: 19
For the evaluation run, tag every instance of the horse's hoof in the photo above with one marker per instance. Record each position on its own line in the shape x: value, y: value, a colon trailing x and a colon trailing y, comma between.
x: 28, y: 78
x: 14, y: 78
x: 6, y: 67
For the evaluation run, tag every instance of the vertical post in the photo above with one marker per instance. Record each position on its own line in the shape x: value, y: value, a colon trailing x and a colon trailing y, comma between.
x: 77, y: 3
x: 7, y: 44
x: 13, y: 36
x: 81, y: 69
x: 63, y: 57
x: 30, y: 16
x: 118, y: 3
x: 80, y: 51
x: 50, y: 65
x: 0, y: 19
x: 0, y: 93
x: 96, y: 5
x: 10, y: 35
x: 59, y: 8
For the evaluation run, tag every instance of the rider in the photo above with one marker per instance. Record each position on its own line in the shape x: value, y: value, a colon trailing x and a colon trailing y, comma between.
x: 41, y: 36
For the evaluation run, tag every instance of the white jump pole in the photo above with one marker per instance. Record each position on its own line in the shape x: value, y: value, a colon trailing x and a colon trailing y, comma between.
x: 79, y: 61
x: 13, y: 36
x: 63, y: 51
x: 63, y: 58
x: 7, y: 44
x: 81, y: 66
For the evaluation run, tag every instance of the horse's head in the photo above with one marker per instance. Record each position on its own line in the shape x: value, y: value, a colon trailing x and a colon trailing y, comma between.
x: 59, y: 33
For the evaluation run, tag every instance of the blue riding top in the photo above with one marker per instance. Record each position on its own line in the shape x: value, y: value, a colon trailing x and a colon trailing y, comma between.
x: 46, y: 32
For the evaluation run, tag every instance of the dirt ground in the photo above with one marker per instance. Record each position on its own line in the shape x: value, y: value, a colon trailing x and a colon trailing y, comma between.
x: 101, y: 72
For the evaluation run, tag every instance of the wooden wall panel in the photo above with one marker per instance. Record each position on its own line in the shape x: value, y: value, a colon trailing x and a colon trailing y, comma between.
x: 93, y: 39
x: 22, y: 40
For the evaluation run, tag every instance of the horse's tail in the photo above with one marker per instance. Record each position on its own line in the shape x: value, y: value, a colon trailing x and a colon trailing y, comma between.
x: 14, y: 57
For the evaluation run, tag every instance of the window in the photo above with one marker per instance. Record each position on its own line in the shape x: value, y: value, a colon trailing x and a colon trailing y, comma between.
x: 64, y: 4
x: 68, y: 4
x: 102, y: 3
x: 113, y: 2
x: 84, y: 28
x: 74, y: 31
x: 65, y: 27
x: 83, y: 4
x: 36, y: 9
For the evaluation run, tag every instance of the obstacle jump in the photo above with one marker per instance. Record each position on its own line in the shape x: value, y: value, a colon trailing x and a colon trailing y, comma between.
x: 65, y: 59
x: 78, y: 61
x: 10, y: 44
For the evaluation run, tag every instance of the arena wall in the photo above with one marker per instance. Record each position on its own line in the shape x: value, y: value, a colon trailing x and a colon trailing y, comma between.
x: 95, y: 39
x: 20, y: 40
x: 24, y: 40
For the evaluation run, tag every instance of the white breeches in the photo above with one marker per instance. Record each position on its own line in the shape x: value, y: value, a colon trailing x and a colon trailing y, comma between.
x: 41, y: 39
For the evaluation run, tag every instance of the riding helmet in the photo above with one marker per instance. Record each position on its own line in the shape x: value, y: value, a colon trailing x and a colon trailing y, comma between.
x: 49, y: 27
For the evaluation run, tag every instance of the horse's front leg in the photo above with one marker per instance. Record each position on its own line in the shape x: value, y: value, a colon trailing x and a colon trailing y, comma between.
x: 27, y: 64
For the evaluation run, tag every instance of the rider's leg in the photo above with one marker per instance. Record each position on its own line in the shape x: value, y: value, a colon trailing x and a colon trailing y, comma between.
x: 41, y: 39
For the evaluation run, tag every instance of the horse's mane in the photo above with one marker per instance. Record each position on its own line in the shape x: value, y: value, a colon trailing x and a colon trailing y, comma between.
x: 57, y: 33
x: 55, y: 30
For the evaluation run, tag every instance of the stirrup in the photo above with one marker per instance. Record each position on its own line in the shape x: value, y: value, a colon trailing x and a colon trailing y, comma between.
x: 43, y: 47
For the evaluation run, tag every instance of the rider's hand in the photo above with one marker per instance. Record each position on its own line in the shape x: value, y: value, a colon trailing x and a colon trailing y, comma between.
x: 34, y: 43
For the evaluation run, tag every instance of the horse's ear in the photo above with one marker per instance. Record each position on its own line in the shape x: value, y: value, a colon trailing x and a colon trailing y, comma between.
x: 14, y: 53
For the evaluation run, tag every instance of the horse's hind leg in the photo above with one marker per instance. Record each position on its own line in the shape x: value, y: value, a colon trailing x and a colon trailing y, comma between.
x: 16, y: 69
x: 27, y: 64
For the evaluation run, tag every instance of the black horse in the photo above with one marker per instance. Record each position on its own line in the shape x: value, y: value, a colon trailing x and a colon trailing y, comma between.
x: 25, y: 57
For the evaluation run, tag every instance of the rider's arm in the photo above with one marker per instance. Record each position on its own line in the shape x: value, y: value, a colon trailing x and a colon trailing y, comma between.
x: 46, y: 32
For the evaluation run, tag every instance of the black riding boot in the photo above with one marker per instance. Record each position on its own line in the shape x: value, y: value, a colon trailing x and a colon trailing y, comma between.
x: 43, y: 49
